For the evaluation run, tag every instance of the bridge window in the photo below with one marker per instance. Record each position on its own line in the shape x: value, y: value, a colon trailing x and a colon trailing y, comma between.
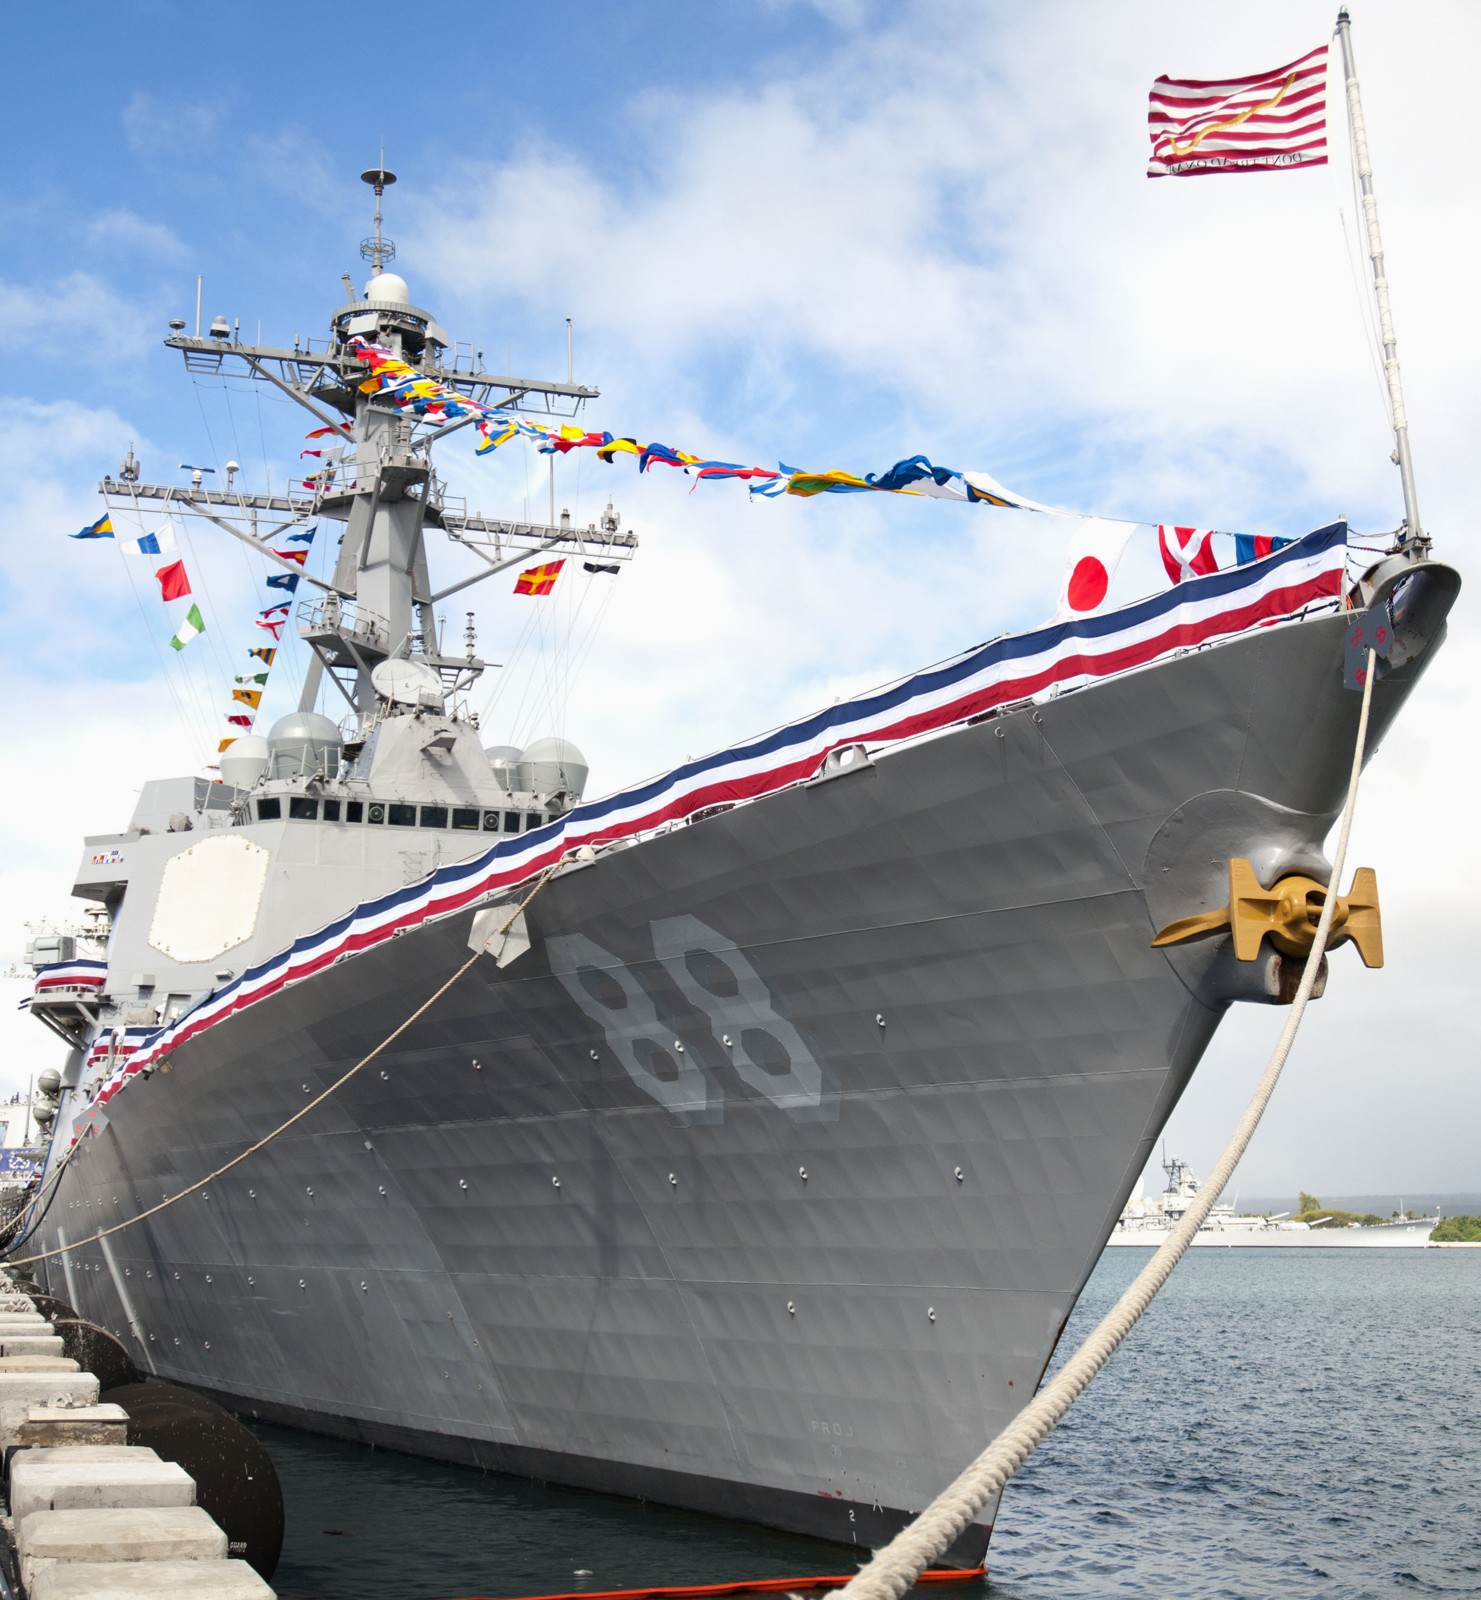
x: 434, y: 816
x: 269, y: 810
x: 402, y: 816
x: 465, y: 817
x: 354, y: 811
x: 331, y: 811
x: 511, y: 822
x: 302, y: 808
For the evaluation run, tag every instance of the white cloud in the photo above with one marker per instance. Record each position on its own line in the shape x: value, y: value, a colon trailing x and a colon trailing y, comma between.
x: 170, y: 125
x: 127, y: 232
x: 969, y: 227
x: 294, y: 162
x: 77, y: 315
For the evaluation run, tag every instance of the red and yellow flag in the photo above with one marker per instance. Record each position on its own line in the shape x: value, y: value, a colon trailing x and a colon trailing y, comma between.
x: 538, y: 580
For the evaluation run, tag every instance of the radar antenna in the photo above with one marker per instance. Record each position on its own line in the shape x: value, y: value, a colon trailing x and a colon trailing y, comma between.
x: 378, y: 251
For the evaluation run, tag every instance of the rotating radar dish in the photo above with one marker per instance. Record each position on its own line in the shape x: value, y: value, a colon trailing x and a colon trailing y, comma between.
x: 407, y: 683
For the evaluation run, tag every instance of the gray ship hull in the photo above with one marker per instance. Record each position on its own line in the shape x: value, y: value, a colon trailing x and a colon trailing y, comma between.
x: 802, y: 1270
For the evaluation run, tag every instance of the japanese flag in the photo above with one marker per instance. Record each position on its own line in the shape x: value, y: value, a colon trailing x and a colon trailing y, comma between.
x: 1094, y: 557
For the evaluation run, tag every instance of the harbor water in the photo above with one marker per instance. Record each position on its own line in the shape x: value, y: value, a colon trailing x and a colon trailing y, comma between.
x: 1300, y: 1423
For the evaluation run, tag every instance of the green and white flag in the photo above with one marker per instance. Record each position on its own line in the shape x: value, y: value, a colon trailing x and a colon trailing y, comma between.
x: 194, y: 623
x: 253, y: 677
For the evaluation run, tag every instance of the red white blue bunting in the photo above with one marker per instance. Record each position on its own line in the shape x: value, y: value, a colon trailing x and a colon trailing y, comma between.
x: 1307, y: 574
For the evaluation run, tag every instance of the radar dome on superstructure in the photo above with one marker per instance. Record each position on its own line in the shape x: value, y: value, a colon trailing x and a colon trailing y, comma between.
x: 302, y: 743
x: 244, y: 761
x: 503, y: 759
x: 388, y: 289
x: 554, y: 766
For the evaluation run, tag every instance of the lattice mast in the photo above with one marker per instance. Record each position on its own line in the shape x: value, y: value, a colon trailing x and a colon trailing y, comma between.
x: 377, y: 479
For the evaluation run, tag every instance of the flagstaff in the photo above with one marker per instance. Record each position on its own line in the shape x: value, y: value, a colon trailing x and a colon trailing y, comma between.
x: 1359, y: 136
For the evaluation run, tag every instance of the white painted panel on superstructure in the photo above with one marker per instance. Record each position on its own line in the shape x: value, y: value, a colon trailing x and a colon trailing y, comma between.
x: 209, y: 897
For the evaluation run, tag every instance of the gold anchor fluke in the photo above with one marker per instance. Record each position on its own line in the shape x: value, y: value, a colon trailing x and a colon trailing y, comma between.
x: 1287, y: 913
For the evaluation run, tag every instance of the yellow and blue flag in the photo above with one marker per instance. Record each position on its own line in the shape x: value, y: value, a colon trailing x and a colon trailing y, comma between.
x: 101, y: 529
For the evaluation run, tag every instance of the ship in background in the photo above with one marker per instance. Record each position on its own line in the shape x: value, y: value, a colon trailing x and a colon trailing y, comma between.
x: 1148, y: 1220
x: 759, y: 1166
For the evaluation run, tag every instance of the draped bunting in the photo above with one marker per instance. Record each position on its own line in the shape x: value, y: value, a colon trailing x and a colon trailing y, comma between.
x: 1283, y: 587
x: 401, y: 385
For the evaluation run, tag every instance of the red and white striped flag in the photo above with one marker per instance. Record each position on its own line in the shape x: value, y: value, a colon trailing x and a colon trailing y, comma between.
x: 1262, y: 123
x: 1187, y: 552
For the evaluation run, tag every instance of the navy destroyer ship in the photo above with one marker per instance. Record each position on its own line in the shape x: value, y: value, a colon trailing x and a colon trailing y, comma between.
x: 757, y: 1163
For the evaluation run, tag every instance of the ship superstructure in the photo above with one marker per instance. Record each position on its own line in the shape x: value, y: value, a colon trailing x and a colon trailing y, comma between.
x: 760, y: 1173
x: 398, y: 780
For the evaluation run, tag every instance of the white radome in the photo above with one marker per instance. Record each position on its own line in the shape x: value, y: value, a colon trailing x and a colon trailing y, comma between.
x: 388, y: 288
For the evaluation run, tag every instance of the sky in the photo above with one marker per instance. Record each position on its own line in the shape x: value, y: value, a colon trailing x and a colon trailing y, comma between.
x: 833, y: 234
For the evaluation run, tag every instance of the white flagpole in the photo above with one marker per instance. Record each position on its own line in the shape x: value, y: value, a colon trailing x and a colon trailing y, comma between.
x: 1364, y: 166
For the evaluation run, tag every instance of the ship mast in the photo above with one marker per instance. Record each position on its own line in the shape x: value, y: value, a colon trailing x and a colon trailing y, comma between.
x: 378, y: 251
x: 377, y: 479
x: 1358, y: 133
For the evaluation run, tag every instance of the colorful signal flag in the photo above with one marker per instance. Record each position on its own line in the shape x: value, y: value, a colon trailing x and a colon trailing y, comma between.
x: 538, y: 580
x: 193, y: 626
x: 173, y: 584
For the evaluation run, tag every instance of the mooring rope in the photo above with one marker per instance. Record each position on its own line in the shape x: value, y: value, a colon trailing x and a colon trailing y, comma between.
x: 898, y: 1566
x: 303, y: 1111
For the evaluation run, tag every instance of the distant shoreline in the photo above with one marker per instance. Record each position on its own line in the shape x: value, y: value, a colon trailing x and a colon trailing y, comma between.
x: 1422, y: 1202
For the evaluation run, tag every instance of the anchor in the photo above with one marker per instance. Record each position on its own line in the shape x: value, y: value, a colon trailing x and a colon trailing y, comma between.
x: 1287, y: 913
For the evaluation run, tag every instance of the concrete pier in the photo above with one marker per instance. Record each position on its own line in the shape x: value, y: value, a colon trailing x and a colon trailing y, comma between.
x: 150, y: 1580
x: 91, y: 1516
x: 29, y: 1344
x: 74, y: 1425
x: 115, y: 1533
x: 66, y: 1478
x: 19, y: 1391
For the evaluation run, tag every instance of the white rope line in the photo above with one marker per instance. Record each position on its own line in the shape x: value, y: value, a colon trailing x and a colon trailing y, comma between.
x: 299, y: 1115
x: 895, y: 1569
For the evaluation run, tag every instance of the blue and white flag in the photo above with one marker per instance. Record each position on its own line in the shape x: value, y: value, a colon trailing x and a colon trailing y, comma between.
x: 158, y: 543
